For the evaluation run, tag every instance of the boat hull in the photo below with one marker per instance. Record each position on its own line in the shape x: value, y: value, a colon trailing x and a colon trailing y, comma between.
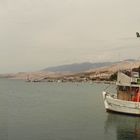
x: 120, y: 106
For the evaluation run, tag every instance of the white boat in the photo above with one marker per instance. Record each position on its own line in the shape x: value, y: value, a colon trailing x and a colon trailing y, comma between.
x: 127, y: 98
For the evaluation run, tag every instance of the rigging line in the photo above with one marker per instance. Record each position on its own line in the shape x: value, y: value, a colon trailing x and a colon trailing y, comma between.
x: 107, y: 87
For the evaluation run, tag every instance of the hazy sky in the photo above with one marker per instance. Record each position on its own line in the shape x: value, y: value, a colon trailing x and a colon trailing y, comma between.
x: 35, y: 34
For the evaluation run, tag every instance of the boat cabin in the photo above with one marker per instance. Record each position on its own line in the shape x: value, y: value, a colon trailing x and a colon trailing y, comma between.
x: 128, y: 86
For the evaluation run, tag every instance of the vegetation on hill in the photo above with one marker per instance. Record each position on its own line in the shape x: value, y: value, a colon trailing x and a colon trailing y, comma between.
x: 113, y: 77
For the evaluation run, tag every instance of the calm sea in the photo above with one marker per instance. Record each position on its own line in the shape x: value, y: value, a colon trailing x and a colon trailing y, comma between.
x: 60, y: 111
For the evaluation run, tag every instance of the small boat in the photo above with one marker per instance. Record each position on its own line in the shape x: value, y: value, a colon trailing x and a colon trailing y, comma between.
x: 28, y: 79
x: 127, y: 97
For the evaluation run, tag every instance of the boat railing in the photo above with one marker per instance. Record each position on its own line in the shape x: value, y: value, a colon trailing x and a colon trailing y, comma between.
x: 113, y: 95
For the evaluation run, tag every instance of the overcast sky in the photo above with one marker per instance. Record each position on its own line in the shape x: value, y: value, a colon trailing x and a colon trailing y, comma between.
x: 35, y: 34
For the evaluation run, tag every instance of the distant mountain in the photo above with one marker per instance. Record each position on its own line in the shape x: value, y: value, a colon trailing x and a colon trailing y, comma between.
x: 83, y: 70
x: 131, y: 60
x: 78, y: 67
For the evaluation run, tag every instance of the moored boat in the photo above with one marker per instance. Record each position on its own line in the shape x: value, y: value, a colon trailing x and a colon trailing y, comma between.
x: 127, y: 98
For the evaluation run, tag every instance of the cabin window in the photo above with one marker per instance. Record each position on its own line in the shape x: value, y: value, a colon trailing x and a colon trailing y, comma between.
x: 123, y: 88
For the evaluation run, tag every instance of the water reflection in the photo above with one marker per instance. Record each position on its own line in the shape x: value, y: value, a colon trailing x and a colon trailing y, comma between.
x: 124, y: 127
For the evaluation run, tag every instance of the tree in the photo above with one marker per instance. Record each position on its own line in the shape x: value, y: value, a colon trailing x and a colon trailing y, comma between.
x: 113, y: 77
x: 139, y: 70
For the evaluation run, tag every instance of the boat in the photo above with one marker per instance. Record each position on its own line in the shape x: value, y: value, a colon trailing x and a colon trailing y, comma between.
x: 28, y: 79
x: 126, y: 99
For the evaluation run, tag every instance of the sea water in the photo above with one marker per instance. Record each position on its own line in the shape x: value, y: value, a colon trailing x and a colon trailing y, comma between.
x: 60, y: 111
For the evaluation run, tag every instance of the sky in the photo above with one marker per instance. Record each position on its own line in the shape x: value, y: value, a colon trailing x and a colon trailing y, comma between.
x: 35, y: 34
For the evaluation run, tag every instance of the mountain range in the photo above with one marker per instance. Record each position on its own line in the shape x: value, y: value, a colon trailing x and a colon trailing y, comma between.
x: 77, y: 67
x: 86, y: 69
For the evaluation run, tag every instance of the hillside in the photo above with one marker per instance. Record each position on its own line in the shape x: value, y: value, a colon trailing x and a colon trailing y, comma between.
x: 102, y: 73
